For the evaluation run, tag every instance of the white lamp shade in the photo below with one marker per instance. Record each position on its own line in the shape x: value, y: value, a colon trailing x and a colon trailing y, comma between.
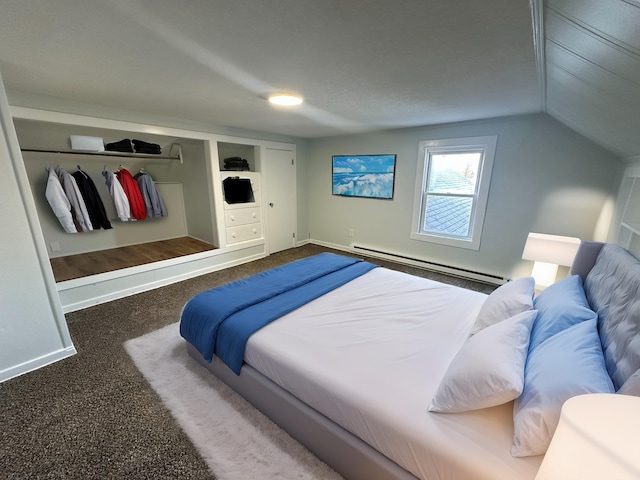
x: 554, y: 249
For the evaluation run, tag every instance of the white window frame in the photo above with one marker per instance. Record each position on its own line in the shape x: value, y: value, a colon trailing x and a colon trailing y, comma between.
x: 487, y: 145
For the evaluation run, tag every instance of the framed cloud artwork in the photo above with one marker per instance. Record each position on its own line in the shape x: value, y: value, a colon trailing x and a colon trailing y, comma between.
x: 369, y: 176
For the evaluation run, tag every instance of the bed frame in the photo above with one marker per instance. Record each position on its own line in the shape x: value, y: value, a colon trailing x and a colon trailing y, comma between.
x: 343, y: 451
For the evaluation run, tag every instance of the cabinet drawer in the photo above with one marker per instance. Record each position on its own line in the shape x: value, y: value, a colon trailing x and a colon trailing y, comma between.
x: 241, y: 216
x: 242, y: 233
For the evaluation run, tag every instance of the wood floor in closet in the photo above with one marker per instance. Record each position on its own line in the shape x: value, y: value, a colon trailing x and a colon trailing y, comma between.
x: 85, y: 264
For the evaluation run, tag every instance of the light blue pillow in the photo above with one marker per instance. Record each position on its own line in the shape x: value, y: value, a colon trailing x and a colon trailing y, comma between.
x: 569, y: 288
x: 568, y: 364
x: 559, y: 306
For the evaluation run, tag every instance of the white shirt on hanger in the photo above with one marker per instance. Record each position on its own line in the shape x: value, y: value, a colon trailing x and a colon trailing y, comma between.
x: 59, y: 202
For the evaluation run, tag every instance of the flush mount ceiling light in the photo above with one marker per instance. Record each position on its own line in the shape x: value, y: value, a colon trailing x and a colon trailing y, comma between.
x: 286, y: 99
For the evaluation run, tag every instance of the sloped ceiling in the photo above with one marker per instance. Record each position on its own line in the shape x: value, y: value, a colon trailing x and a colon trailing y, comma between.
x: 592, y: 50
x: 361, y: 65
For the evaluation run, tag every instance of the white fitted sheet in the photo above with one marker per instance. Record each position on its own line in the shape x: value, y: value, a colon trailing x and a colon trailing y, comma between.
x: 370, y: 356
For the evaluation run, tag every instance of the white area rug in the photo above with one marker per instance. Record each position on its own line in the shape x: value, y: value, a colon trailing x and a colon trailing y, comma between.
x: 236, y: 440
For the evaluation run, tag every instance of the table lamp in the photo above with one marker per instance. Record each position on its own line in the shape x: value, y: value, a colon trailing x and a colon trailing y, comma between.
x: 547, y: 252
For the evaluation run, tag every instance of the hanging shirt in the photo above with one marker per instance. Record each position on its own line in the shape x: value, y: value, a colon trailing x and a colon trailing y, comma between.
x: 95, y: 207
x: 59, y: 202
x: 120, y: 200
x: 132, y: 191
x: 152, y: 198
x: 78, y: 206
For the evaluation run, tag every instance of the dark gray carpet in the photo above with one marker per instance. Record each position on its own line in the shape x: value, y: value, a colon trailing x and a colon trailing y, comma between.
x: 93, y: 416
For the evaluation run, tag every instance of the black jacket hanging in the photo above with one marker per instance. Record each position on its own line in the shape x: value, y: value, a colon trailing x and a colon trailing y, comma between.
x: 92, y: 199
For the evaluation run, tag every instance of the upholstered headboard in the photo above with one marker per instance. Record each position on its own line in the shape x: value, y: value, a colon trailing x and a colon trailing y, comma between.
x: 612, y: 287
x: 585, y: 258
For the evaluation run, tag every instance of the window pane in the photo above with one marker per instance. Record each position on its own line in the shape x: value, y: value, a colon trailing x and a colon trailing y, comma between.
x: 448, y: 215
x: 454, y: 173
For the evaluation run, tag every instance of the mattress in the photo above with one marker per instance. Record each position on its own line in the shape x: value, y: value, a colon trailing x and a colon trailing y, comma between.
x: 370, y: 356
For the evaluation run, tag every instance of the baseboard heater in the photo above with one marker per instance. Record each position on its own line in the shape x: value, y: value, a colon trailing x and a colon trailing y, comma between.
x: 438, y: 267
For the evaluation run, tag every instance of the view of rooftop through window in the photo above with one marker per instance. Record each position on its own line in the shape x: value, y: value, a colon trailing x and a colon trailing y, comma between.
x: 451, y: 186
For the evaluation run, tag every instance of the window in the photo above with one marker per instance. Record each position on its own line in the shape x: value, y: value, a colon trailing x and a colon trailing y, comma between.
x: 452, y: 186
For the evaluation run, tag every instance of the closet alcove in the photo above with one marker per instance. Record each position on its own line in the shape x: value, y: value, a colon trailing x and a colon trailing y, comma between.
x: 188, y: 228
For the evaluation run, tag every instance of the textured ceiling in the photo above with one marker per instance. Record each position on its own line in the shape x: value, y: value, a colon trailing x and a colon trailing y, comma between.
x: 361, y: 65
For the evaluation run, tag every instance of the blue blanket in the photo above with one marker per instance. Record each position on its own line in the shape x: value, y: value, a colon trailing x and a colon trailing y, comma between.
x: 221, y: 320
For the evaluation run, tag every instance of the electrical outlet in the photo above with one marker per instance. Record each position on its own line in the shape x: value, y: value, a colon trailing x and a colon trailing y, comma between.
x: 351, y: 232
x: 55, y: 246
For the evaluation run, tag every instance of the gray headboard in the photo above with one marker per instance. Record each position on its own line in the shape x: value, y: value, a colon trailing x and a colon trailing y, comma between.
x: 612, y: 287
x: 585, y: 258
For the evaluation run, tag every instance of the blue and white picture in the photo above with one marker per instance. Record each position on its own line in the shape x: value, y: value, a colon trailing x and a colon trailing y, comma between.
x: 369, y: 176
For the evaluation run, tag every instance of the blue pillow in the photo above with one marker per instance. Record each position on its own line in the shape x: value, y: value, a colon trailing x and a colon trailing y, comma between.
x: 568, y: 364
x: 569, y: 288
x: 559, y: 306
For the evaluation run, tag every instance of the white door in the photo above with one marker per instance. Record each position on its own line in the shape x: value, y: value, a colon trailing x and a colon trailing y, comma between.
x: 280, y: 204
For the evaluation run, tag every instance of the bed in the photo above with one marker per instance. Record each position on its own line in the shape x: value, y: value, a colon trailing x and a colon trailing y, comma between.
x: 390, y: 376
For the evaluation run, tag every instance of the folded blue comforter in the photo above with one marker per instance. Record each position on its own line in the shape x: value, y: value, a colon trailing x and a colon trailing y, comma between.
x: 221, y: 320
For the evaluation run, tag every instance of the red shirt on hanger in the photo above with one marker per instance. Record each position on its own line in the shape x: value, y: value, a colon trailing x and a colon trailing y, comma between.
x: 132, y: 191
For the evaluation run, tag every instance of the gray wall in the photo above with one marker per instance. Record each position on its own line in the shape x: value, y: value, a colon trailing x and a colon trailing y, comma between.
x: 546, y: 178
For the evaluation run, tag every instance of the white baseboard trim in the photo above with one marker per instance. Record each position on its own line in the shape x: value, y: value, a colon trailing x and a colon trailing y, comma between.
x: 415, y: 262
x: 36, y: 363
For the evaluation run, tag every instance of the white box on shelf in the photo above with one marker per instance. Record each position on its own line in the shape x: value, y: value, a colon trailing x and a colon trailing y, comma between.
x: 89, y: 144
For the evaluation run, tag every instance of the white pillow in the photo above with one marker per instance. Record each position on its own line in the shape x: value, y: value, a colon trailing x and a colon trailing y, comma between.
x: 504, y: 302
x: 489, y: 368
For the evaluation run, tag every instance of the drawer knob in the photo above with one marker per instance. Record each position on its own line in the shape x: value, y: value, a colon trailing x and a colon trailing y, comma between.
x: 233, y: 218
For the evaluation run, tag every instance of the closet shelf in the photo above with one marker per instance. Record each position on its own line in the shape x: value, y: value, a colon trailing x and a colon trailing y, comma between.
x: 174, y: 154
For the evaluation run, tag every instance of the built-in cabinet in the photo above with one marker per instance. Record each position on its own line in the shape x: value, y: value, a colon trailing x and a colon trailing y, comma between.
x: 629, y: 207
x: 243, y: 221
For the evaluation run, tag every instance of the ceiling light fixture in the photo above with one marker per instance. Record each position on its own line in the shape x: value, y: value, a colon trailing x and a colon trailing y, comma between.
x: 286, y: 99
